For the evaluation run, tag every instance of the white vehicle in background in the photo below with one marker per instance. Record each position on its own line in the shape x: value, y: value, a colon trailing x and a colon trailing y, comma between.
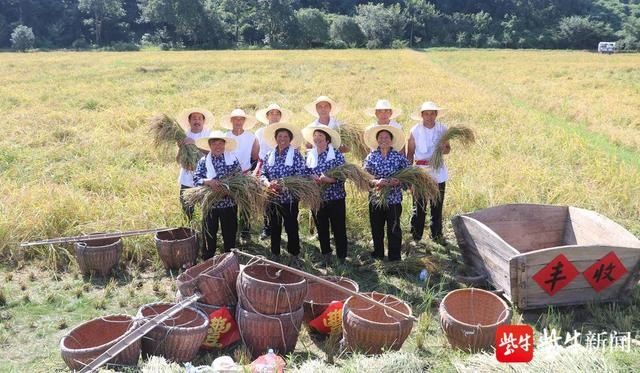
x: 607, y: 47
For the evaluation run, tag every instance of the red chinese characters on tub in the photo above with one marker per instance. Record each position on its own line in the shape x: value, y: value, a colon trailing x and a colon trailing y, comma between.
x: 557, y: 274
x: 514, y: 343
x: 604, y: 272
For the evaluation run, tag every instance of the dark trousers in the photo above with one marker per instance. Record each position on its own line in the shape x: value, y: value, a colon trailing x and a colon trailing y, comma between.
x: 227, y: 218
x: 419, y: 214
x: 332, y: 213
x: 378, y: 217
x: 187, y: 209
x: 287, y: 213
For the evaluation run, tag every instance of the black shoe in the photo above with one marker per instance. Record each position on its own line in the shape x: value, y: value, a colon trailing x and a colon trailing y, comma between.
x: 265, y: 234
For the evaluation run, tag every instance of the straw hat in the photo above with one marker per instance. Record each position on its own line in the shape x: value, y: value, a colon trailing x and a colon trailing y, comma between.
x: 307, y: 134
x: 249, y: 123
x: 311, y: 107
x: 270, y: 132
x: 427, y: 105
x: 183, y: 117
x: 261, y: 115
x: 384, y: 105
x: 371, y: 132
x: 229, y: 146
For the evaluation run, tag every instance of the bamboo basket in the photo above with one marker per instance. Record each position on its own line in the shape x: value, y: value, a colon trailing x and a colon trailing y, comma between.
x: 89, y: 340
x: 470, y: 318
x: 371, y: 329
x: 177, y: 247
x: 178, y: 338
x: 262, y: 332
x: 320, y: 296
x: 215, y: 279
x: 99, y: 255
x: 268, y: 290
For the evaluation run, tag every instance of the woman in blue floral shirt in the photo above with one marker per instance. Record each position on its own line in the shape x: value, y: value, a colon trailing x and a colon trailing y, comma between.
x: 383, y: 162
x: 211, y: 168
x: 322, y: 157
x: 285, y: 160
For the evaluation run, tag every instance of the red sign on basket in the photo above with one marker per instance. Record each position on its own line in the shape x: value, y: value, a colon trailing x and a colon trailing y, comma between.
x: 514, y: 343
x: 557, y: 274
x: 604, y: 272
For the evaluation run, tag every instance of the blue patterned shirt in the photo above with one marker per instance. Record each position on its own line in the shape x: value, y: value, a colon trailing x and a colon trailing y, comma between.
x: 333, y: 191
x: 381, y: 167
x: 280, y: 170
x: 221, y: 170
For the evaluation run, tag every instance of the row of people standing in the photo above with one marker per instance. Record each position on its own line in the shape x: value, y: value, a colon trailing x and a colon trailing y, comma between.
x: 273, y: 153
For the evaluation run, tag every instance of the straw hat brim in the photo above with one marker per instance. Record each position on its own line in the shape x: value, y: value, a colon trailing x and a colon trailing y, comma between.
x: 270, y: 132
x: 183, y: 118
x: 307, y: 134
x: 371, y: 132
x: 249, y: 122
x: 418, y: 115
x: 261, y: 115
x: 311, y: 107
x: 396, y: 112
x: 229, y: 143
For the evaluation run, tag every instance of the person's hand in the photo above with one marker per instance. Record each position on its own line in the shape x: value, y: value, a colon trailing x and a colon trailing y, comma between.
x: 274, y: 186
x: 327, y: 180
x: 446, y: 148
x: 188, y: 140
x: 380, y: 183
x: 317, y: 179
x: 344, y: 148
x: 394, y: 182
x: 308, y: 146
x: 213, y: 183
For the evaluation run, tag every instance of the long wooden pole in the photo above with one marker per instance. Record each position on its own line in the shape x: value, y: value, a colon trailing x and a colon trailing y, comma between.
x: 96, y: 236
x: 329, y: 284
x: 138, y: 332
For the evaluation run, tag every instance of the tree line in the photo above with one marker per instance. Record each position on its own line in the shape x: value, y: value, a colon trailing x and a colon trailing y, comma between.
x: 222, y: 24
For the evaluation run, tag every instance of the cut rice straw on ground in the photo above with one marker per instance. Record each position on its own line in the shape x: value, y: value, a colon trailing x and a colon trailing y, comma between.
x: 423, y: 186
x: 353, y: 137
x: 464, y: 134
x: 355, y: 174
x: 303, y: 189
x: 166, y: 132
x: 245, y: 190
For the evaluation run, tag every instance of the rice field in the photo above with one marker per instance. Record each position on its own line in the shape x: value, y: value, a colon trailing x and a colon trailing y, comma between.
x: 77, y: 157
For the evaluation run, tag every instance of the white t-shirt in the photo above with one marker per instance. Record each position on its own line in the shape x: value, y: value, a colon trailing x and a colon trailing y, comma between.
x: 426, y: 140
x: 243, y: 150
x: 334, y: 124
x: 264, y: 147
x: 186, y: 177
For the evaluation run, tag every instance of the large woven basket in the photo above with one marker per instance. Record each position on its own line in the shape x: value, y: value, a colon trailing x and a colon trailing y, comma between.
x: 470, y: 317
x: 177, y: 247
x: 214, y: 278
x: 262, y: 332
x: 178, y: 338
x: 89, y: 340
x: 371, y: 329
x: 320, y: 296
x: 269, y: 290
x: 99, y: 255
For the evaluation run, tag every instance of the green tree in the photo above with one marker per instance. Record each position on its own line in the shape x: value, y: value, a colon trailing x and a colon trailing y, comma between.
x: 275, y: 19
x: 237, y: 16
x: 582, y: 32
x: 314, y: 28
x: 346, y: 29
x: 380, y: 24
x: 22, y: 38
x: 101, y: 11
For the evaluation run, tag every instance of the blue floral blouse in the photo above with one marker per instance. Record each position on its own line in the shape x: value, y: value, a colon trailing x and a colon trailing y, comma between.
x: 384, y: 167
x: 280, y: 170
x: 221, y: 170
x: 332, y: 191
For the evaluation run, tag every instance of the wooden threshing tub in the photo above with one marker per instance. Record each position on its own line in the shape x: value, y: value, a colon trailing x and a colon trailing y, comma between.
x: 542, y: 255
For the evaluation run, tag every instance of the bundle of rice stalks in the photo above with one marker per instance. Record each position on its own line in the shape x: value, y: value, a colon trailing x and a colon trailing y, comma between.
x: 410, y: 265
x: 423, y: 186
x: 166, y: 132
x: 464, y: 134
x: 355, y: 174
x: 245, y: 190
x: 353, y: 137
x: 303, y: 189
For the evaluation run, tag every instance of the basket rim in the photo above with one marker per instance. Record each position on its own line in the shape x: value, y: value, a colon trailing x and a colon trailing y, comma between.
x: 330, y: 278
x: 181, y: 328
x: 347, y: 310
x: 84, y: 243
x: 243, y: 272
x: 99, y: 347
x: 502, y: 319
x: 193, y: 234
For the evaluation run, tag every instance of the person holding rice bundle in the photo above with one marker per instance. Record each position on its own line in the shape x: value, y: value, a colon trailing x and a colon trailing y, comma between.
x: 285, y: 160
x: 383, y: 162
x: 197, y: 123
x: 322, y: 157
x: 325, y: 109
x: 239, y: 123
x: 424, y: 139
x: 269, y: 115
x: 224, y: 214
x: 385, y: 114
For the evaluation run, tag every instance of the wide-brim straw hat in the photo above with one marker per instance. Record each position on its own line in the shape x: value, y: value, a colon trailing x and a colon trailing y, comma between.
x: 384, y: 105
x: 311, y: 107
x: 229, y: 146
x: 371, y: 132
x: 183, y: 117
x: 270, y: 132
x: 428, y: 105
x: 307, y: 134
x: 261, y: 115
x: 249, y: 122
